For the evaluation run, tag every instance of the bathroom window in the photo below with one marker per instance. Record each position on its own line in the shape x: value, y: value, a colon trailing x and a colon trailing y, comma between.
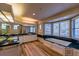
x: 64, y: 28
x: 56, y: 29
x: 16, y: 29
x: 5, y: 28
x: 32, y: 29
x: 47, y: 29
x: 75, y: 27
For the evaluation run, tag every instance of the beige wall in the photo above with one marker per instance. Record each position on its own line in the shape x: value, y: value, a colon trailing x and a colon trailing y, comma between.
x: 40, y: 28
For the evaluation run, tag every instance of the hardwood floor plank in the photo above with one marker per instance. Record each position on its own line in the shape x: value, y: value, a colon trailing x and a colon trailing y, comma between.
x: 37, y: 48
x: 46, y: 49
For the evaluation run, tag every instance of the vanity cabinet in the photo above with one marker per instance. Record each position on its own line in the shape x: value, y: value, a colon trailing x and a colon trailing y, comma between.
x: 13, y: 50
x: 27, y: 38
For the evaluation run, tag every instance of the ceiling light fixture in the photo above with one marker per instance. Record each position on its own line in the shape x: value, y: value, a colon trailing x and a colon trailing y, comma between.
x: 34, y: 14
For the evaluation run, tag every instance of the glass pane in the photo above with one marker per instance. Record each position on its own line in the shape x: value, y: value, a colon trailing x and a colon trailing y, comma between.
x: 47, y: 29
x: 32, y: 29
x: 76, y: 33
x: 64, y: 28
x: 77, y: 23
x: 56, y: 29
x: 16, y: 29
x: 5, y: 28
x: 75, y: 27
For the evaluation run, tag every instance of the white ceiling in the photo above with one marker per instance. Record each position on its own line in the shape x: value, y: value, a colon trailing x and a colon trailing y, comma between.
x: 42, y: 10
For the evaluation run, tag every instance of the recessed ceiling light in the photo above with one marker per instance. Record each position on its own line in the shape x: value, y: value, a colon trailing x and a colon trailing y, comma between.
x: 34, y: 13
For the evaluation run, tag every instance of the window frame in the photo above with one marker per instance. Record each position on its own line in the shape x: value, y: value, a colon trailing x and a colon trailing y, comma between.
x: 73, y: 27
x: 68, y: 30
x: 44, y: 28
x: 59, y: 26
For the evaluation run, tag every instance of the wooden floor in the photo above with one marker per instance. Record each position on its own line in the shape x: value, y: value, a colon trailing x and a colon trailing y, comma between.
x: 36, y: 48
